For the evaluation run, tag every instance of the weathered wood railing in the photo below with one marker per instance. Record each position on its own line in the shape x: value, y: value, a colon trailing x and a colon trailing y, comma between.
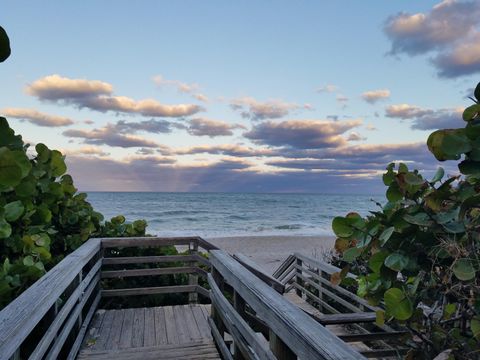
x: 310, y: 279
x: 50, y: 319
x: 291, y: 333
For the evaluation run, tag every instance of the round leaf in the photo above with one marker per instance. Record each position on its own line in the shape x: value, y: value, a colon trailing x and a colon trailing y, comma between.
x: 5, y: 50
x: 341, y: 227
x: 397, y: 304
x: 28, y: 261
x: 5, y: 229
x: 396, y: 261
x: 13, y: 210
x: 386, y: 234
x: 463, y: 269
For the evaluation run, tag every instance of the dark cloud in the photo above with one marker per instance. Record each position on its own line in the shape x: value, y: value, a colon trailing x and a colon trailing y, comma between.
x: 228, y: 150
x: 426, y: 119
x: 302, y: 134
x: 37, y: 117
x: 97, y: 95
x: 450, y: 29
x: 211, y: 128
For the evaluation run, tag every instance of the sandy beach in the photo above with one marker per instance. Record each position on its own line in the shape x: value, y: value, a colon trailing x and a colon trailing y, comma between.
x: 270, y: 251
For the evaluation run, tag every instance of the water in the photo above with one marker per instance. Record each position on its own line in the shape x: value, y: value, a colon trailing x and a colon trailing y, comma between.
x: 231, y: 214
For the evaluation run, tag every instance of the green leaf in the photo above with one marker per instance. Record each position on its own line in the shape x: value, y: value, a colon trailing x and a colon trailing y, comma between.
x: 402, y: 168
x: 376, y: 261
x: 58, y: 163
x: 449, y: 310
x: 385, y: 235
x: 456, y: 143
x: 468, y: 167
x: 43, y: 152
x: 393, y: 193
x: 471, y: 112
x: 397, y: 304
x: 463, y: 269
x: 438, y: 175
x: 475, y: 327
x: 380, y: 317
x: 396, y: 261
x: 5, y: 229
x: 13, y: 210
x: 435, y: 145
x: 421, y: 219
x: 413, y: 179
x: 476, y: 93
x: 5, y: 50
x: 10, y: 171
x: 28, y: 261
x: 351, y: 254
x: 341, y: 227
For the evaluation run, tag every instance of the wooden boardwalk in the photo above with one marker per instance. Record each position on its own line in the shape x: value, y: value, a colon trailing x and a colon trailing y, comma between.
x: 168, y: 332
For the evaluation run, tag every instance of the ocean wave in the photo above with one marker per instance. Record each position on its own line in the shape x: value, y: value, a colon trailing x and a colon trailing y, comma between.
x: 289, y: 227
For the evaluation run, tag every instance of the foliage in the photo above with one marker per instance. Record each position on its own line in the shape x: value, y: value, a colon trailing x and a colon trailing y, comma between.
x: 419, y: 254
x: 42, y: 216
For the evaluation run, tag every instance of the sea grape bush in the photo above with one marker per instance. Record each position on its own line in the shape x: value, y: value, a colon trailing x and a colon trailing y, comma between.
x: 42, y: 216
x: 419, y: 255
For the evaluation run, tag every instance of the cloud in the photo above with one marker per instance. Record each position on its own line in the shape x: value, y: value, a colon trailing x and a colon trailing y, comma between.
x: 192, y: 89
x: 450, y: 29
x: 211, y: 128
x: 152, y: 126
x: 97, y: 95
x: 375, y: 95
x: 37, y: 117
x: 302, y: 134
x: 108, y: 135
x: 228, y: 150
x: 86, y: 150
x: 426, y: 119
x: 355, y: 136
x: 255, y: 110
x: 329, y: 88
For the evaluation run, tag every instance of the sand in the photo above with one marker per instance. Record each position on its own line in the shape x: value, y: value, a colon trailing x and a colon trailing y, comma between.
x: 270, y: 251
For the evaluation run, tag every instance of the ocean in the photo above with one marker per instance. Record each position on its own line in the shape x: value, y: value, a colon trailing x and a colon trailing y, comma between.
x: 232, y: 214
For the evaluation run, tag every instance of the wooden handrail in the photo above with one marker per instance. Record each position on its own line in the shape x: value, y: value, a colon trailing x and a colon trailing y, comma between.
x: 20, y: 317
x: 299, y: 332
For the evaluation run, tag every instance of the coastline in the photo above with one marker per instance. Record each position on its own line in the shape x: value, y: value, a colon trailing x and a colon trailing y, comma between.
x: 270, y: 251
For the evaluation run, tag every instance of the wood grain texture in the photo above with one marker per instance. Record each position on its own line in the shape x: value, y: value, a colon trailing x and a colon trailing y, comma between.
x: 302, y: 334
x: 21, y: 316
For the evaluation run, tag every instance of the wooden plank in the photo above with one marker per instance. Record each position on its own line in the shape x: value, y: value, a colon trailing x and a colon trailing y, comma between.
x: 192, y: 325
x: 148, y: 272
x: 226, y: 355
x: 81, y: 335
x: 328, y: 268
x: 182, y: 325
x: 54, y: 327
x: 138, y: 327
x: 349, y: 318
x: 127, y: 330
x: 396, y: 335
x: 205, y: 244
x: 149, y: 291
x: 94, y: 330
x: 202, y: 291
x: 160, y: 326
x: 113, y: 341
x: 202, y: 322
x: 148, y: 259
x: 145, y: 241
x: 258, y: 272
x: 104, y: 332
x: 284, y: 266
x: 244, y: 337
x: 72, y: 320
x: 149, y: 337
x: 302, y: 334
x: 21, y: 316
x: 172, y: 336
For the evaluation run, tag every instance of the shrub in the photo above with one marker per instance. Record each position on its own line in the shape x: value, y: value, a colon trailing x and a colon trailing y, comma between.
x: 419, y: 254
x: 42, y: 216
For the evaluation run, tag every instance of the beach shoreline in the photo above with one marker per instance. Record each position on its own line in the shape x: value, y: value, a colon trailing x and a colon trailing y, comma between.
x: 270, y: 251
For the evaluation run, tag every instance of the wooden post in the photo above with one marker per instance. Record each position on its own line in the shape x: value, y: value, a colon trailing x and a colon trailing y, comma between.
x: 298, y: 278
x: 279, y: 348
x: 78, y: 281
x: 320, y: 286
x: 193, y: 278
x: 214, y: 312
x: 239, y: 305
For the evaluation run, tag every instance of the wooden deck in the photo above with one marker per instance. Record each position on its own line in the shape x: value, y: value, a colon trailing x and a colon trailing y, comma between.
x: 168, y: 332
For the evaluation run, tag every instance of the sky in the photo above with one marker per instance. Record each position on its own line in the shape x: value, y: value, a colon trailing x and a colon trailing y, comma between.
x: 247, y: 96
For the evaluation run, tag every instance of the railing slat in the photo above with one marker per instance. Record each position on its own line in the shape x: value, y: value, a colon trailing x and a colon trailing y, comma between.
x: 302, y: 334
x: 145, y: 241
x: 21, y: 316
x: 149, y: 290
x: 151, y: 272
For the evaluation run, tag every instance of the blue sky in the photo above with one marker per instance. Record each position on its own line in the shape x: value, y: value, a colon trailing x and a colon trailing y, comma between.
x: 245, y: 96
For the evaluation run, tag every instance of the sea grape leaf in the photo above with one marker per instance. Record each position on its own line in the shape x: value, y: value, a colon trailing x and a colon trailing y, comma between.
x: 476, y: 93
x: 397, y: 304
x: 28, y: 261
x: 475, y: 327
x: 393, y: 193
x: 351, y: 254
x: 13, y: 210
x: 456, y: 143
x: 386, y: 234
x: 376, y: 261
x: 421, y: 219
x: 438, y: 175
x: 463, y: 269
x: 5, y: 50
x: 58, y: 163
x: 413, y: 179
x: 471, y: 112
x: 396, y: 261
x: 341, y: 227
x: 5, y: 229
x: 468, y: 167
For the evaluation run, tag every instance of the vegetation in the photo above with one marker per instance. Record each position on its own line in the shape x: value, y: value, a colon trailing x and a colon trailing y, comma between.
x: 42, y: 216
x: 419, y: 254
